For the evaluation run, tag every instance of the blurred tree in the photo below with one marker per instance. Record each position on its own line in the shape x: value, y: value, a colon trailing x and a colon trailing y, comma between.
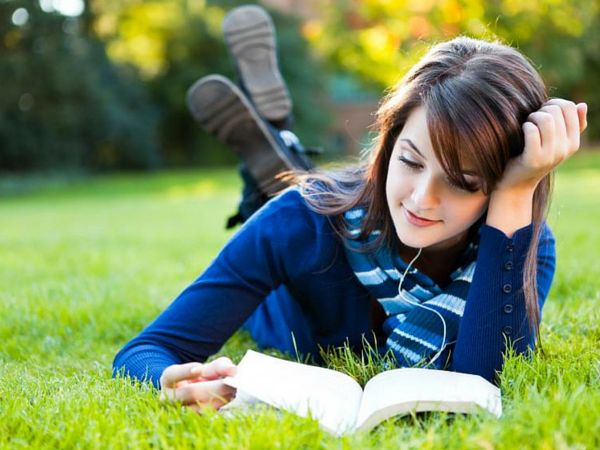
x: 175, y: 42
x: 63, y: 103
x: 563, y: 40
x: 380, y: 39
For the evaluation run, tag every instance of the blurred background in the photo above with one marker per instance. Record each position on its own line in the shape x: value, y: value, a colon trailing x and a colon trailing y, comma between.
x: 90, y: 86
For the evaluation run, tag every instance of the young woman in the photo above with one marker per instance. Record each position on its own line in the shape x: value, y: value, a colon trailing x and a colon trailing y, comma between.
x: 436, y: 244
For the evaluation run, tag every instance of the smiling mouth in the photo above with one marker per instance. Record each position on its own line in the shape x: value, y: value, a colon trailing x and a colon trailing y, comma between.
x: 417, y: 220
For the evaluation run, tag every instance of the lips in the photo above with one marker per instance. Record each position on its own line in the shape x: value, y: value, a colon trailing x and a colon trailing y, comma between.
x: 417, y: 220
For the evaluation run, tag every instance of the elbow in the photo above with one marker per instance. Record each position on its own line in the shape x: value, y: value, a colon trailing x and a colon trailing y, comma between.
x: 142, y: 362
x: 119, y: 365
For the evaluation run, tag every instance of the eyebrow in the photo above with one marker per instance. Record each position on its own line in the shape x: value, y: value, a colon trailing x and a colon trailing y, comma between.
x: 412, y: 145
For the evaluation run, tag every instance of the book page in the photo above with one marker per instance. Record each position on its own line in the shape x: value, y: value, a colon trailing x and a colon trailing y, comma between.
x: 331, y: 397
x: 399, y: 391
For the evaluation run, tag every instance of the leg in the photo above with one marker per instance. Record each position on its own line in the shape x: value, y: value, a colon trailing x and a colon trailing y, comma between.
x: 250, y: 37
x: 224, y: 111
x: 251, y: 120
x: 252, y: 199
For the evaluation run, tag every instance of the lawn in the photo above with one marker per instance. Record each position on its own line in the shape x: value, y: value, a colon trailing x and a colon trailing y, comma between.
x: 85, y: 265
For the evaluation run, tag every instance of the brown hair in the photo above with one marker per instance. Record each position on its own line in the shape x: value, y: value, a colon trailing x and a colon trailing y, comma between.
x: 477, y: 94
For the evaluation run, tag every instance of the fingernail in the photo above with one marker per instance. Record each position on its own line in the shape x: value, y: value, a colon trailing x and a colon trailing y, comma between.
x: 196, y: 369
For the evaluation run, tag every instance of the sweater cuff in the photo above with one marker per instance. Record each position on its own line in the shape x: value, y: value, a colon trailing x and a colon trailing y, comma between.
x: 494, y: 239
x: 144, y: 363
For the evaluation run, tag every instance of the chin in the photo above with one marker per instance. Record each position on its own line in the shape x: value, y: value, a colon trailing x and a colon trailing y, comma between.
x: 415, y: 238
x: 415, y: 243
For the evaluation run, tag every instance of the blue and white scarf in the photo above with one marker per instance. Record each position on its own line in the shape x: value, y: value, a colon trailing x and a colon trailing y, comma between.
x: 414, y: 334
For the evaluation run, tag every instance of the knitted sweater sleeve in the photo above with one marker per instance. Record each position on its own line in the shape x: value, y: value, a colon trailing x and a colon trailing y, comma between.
x: 274, y: 243
x: 495, y: 309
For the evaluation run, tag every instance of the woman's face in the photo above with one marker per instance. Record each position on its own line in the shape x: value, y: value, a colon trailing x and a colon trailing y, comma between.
x: 428, y: 211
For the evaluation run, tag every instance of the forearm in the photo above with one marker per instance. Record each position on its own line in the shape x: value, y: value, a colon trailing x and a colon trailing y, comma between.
x: 481, y: 339
x: 193, y: 327
x: 495, y: 308
x: 255, y: 261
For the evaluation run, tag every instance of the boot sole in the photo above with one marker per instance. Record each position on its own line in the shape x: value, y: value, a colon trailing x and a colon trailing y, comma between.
x: 223, y: 110
x: 250, y: 36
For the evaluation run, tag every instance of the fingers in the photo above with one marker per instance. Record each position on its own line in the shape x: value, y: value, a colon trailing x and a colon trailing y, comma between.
x: 551, y: 135
x: 582, y: 114
x: 213, y: 394
x: 559, y: 123
x: 544, y: 121
x: 179, y: 372
x: 207, y: 392
x: 195, y: 371
x: 533, y: 140
x: 199, y: 385
x: 220, y: 367
x: 570, y: 115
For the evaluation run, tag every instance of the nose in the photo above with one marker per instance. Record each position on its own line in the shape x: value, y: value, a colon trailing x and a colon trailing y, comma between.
x: 425, y: 193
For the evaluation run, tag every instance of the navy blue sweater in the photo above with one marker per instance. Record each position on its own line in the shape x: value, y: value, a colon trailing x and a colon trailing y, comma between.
x: 285, y: 244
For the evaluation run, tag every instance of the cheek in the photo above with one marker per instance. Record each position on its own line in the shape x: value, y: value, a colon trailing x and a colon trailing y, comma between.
x: 395, y: 187
x: 466, y: 212
x: 390, y: 189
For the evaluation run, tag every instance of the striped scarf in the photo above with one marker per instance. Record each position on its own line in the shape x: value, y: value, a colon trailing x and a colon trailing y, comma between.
x: 414, y: 334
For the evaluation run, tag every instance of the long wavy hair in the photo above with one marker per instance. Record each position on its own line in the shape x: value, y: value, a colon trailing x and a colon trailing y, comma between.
x: 477, y: 94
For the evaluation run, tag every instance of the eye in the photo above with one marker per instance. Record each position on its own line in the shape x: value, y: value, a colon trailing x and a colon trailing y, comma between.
x: 470, y: 187
x: 410, y: 164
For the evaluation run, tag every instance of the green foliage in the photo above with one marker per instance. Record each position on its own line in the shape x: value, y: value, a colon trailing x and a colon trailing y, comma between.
x: 85, y: 266
x: 63, y: 104
x: 379, y: 40
x: 563, y: 41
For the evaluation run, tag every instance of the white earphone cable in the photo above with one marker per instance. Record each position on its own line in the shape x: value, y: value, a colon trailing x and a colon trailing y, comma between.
x: 437, y: 355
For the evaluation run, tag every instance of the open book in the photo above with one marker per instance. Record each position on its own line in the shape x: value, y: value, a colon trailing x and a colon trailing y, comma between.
x: 340, y: 405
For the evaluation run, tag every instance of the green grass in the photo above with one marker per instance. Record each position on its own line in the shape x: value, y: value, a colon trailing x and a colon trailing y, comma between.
x: 85, y: 265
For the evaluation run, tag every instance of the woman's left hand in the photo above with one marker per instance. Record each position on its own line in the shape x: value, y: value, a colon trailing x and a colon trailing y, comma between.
x: 551, y: 136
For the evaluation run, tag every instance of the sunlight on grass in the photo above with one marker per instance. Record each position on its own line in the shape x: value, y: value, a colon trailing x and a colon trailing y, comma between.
x: 199, y: 189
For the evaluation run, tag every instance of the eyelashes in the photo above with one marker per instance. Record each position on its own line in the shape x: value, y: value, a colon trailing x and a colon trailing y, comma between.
x: 410, y: 164
x: 415, y: 167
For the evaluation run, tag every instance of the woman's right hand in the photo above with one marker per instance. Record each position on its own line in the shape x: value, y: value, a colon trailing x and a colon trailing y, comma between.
x: 198, y: 385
